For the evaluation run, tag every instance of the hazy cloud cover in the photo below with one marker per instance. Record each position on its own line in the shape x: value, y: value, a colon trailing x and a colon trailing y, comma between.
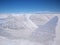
x: 29, y: 22
x: 18, y: 28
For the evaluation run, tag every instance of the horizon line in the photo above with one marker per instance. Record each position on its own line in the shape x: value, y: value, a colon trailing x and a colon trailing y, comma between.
x: 38, y: 12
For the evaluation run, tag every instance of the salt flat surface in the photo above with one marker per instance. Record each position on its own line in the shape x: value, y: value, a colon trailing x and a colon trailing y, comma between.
x: 30, y: 29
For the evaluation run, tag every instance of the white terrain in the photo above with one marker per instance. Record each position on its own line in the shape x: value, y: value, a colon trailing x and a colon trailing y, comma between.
x: 30, y: 29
